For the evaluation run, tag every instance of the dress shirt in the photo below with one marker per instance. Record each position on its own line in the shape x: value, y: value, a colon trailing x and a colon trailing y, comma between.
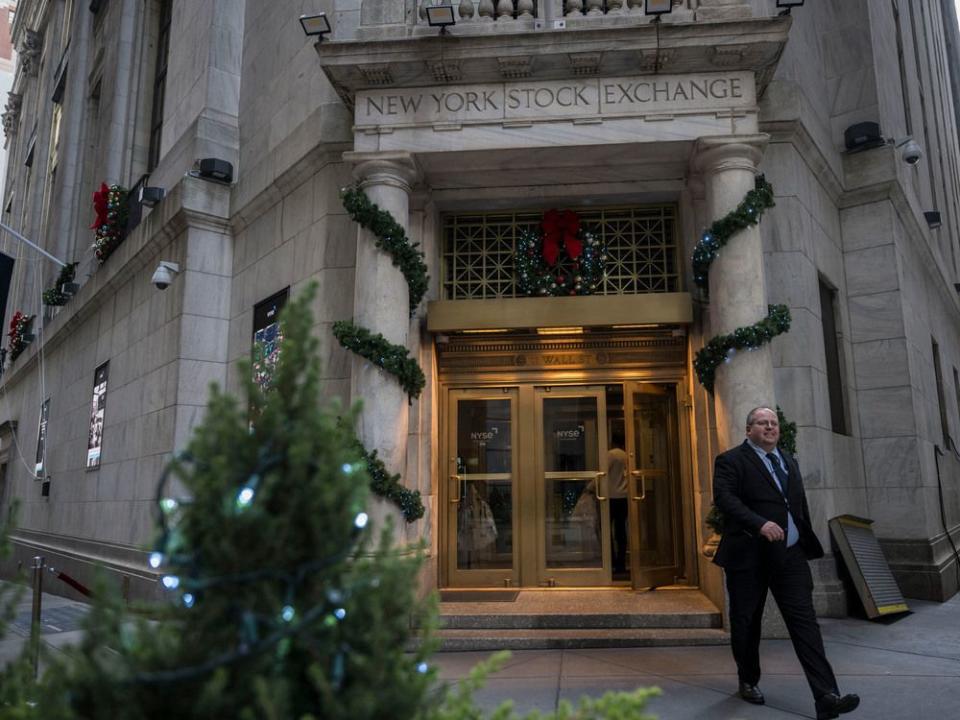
x: 793, y: 535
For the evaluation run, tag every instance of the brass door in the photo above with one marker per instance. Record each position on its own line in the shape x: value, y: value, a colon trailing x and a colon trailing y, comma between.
x: 481, y: 492
x: 654, y: 484
x: 572, y: 518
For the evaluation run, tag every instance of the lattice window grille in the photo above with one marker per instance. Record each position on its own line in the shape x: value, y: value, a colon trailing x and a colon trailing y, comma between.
x: 479, y: 249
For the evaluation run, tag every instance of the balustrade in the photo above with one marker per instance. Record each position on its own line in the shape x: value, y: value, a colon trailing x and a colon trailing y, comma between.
x: 471, y: 11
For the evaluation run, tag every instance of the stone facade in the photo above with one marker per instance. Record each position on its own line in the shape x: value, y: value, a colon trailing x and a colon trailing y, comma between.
x: 241, y: 83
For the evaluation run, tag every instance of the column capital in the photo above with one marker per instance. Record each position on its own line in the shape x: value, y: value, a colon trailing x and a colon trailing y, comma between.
x: 729, y: 152
x: 397, y: 169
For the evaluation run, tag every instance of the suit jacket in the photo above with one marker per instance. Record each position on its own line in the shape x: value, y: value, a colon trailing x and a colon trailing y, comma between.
x: 749, y: 496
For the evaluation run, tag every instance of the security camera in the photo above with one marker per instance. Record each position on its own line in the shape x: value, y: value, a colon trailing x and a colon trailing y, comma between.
x: 910, y: 151
x: 163, y: 275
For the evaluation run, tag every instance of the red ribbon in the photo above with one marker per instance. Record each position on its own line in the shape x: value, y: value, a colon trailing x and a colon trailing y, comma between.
x: 100, y: 198
x: 561, y: 227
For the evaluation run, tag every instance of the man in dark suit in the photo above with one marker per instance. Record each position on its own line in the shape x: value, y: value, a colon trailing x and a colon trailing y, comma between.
x: 767, y: 541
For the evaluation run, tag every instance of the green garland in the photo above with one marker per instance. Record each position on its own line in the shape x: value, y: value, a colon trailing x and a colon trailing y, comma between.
x: 389, y: 486
x: 747, y: 213
x: 55, y: 295
x: 392, y: 238
x: 378, y: 350
x: 718, y: 350
x: 788, y: 442
x: 568, y: 276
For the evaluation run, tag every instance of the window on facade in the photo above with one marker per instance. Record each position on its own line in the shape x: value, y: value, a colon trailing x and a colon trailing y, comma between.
x: 479, y: 250
x: 831, y: 347
x: 159, y: 82
x: 267, y: 336
x: 904, y: 85
x: 65, y: 25
x: 941, y: 400
x: 53, y: 163
x: 97, y: 410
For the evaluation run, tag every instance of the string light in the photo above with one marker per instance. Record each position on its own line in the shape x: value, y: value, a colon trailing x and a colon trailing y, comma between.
x: 171, y: 582
x: 360, y: 520
x: 156, y: 560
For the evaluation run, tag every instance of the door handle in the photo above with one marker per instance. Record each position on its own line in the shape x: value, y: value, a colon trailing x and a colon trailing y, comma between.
x: 597, y: 478
x: 457, y: 485
x: 643, y: 485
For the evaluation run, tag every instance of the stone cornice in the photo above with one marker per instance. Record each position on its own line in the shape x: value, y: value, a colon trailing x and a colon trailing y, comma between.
x: 795, y: 133
x: 752, y: 44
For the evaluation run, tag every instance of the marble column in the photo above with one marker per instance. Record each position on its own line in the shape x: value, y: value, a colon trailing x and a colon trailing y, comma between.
x: 738, y: 294
x: 381, y: 304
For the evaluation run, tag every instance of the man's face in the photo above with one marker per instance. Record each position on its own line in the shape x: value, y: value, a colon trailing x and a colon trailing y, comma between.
x: 764, y: 430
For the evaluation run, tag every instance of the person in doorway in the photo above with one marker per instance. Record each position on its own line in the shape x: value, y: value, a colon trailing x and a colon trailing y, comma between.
x: 617, y: 479
x: 766, y: 543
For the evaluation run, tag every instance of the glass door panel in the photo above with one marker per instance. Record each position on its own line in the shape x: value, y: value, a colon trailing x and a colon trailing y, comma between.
x: 480, y: 488
x: 575, y: 546
x: 654, y: 485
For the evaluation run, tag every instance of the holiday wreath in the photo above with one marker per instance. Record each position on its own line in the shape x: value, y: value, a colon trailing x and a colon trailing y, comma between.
x: 562, y: 260
x: 110, y: 204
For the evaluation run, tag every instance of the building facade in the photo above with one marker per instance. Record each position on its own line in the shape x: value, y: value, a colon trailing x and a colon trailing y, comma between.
x: 640, y: 133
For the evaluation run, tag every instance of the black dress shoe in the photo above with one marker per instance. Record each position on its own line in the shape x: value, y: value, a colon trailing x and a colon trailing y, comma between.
x: 752, y: 694
x: 832, y: 706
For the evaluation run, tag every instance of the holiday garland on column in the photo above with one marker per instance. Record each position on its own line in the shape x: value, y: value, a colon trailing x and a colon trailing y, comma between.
x: 19, y: 334
x: 394, y: 359
x: 721, y: 348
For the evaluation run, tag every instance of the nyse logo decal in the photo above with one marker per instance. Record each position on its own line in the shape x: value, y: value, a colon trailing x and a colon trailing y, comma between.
x: 574, y: 434
x: 487, y: 436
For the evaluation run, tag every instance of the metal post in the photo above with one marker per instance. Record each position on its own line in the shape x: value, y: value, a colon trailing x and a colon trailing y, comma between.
x: 38, y: 567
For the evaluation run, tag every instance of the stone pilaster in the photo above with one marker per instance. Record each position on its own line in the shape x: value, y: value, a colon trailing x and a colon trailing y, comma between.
x: 381, y: 304
x: 738, y: 295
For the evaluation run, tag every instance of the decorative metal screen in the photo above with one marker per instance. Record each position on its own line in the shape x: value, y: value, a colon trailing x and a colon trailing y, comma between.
x: 478, y: 250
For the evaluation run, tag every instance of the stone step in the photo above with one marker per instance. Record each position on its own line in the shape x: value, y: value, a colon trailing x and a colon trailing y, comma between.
x: 579, y: 621
x: 574, y: 639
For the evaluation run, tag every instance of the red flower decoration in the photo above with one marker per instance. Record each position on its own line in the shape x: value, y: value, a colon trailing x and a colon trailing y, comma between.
x: 100, y: 198
x: 560, y: 227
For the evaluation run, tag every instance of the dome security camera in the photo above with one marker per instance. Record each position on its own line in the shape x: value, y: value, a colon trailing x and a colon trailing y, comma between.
x: 164, y: 274
x: 910, y: 151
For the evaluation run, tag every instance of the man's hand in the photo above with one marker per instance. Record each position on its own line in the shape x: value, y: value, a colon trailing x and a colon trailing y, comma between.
x: 771, y: 531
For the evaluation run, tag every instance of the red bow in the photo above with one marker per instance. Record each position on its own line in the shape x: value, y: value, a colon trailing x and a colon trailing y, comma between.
x: 560, y: 227
x: 100, y: 205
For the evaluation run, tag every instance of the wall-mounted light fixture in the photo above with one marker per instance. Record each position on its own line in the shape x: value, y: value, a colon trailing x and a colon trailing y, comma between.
x: 657, y: 7
x: 441, y: 16
x: 934, y: 221
x: 315, y: 25
x: 150, y: 196
x: 788, y: 5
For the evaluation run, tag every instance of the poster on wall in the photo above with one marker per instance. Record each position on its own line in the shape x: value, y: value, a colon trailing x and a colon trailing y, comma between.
x: 267, y: 337
x: 95, y: 438
x: 39, y: 467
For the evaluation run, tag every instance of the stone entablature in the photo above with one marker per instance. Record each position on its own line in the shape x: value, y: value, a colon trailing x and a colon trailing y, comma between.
x: 532, y: 102
x: 752, y: 45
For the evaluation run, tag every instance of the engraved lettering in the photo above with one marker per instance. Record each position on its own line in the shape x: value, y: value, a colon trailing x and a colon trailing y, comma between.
x: 719, y: 94
x: 372, y: 105
x: 513, y: 99
x: 560, y: 97
x: 411, y: 103
x: 735, y: 89
x: 661, y: 88
x: 438, y: 99
x: 642, y: 98
x: 489, y: 97
x: 582, y: 96
x: 699, y: 88
x: 680, y: 92
x: 543, y: 97
x: 393, y: 104
x: 472, y: 99
x: 453, y: 102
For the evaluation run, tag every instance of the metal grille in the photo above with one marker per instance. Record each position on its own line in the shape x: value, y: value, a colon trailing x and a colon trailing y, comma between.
x: 478, y: 250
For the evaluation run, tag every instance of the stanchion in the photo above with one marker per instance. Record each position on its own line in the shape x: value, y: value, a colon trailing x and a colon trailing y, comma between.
x: 38, y: 563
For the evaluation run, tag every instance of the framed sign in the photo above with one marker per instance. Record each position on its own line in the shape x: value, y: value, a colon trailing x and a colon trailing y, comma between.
x: 267, y: 336
x: 95, y: 437
x: 40, y: 466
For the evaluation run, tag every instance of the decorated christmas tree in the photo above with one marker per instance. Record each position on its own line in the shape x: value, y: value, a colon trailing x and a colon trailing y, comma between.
x: 282, y: 604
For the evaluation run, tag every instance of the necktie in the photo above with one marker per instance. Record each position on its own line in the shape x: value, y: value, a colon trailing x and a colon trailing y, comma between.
x: 792, y: 534
x: 779, y: 472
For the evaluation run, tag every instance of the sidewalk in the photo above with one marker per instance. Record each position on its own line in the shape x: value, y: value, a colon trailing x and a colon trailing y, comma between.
x: 905, y: 670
